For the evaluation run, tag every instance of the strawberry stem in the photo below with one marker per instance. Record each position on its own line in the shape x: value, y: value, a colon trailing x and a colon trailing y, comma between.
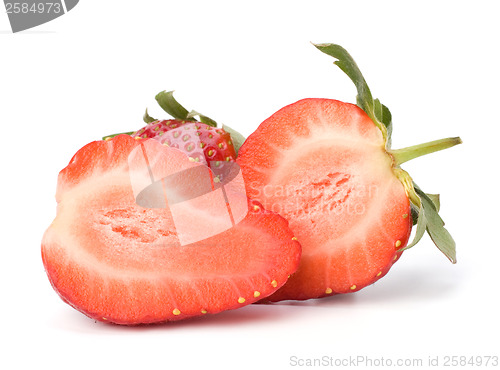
x: 406, y: 154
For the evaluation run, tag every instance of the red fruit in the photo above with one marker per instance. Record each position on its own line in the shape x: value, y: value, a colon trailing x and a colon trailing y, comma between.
x: 331, y: 178
x: 326, y: 166
x: 117, y: 261
x: 201, y: 141
x: 204, y: 143
x: 158, y: 128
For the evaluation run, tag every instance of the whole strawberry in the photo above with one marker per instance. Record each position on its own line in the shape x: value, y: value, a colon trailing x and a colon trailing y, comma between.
x: 201, y: 140
x: 157, y: 128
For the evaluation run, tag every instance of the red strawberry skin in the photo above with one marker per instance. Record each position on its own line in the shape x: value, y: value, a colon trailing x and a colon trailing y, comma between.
x: 322, y: 165
x: 202, y: 142
x: 158, y: 128
x: 118, y: 262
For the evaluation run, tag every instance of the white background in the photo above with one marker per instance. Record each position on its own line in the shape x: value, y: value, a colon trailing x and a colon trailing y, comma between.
x: 93, y: 72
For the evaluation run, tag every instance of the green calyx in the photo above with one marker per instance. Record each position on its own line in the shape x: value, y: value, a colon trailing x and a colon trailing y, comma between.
x: 379, y: 113
x: 171, y: 106
x: 168, y: 103
x: 425, y: 207
x: 120, y: 133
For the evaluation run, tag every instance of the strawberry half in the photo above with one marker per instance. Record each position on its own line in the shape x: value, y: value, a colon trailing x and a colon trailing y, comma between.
x: 144, y: 235
x: 327, y: 167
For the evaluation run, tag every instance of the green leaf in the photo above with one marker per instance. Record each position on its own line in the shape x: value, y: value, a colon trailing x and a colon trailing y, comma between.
x: 414, y: 213
x: 347, y: 64
x: 364, y: 98
x: 428, y: 218
x: 168, y: 103
x: 147, y: 118
x: 435, y: 227
x: 237, y: 138
x: 383, y: 114
x: 204, y: 119
x: 120, y: 133
x: 421, y: 227
x: 166, y: 100
x: 435, y: 200
x: 207, y: 120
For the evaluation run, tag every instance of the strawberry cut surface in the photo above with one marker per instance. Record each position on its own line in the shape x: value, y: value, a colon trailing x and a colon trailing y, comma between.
x: 322, y: 165
x: 117, y: 261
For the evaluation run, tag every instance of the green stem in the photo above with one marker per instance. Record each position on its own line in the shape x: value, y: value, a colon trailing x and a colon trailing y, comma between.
x: 406, y: 154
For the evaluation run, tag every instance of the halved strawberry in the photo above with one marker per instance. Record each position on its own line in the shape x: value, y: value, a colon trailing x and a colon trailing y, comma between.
x: 327, y: 167
x: 141, y: 236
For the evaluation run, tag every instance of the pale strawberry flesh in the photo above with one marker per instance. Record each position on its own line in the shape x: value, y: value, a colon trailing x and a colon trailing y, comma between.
x: 119, y: 262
